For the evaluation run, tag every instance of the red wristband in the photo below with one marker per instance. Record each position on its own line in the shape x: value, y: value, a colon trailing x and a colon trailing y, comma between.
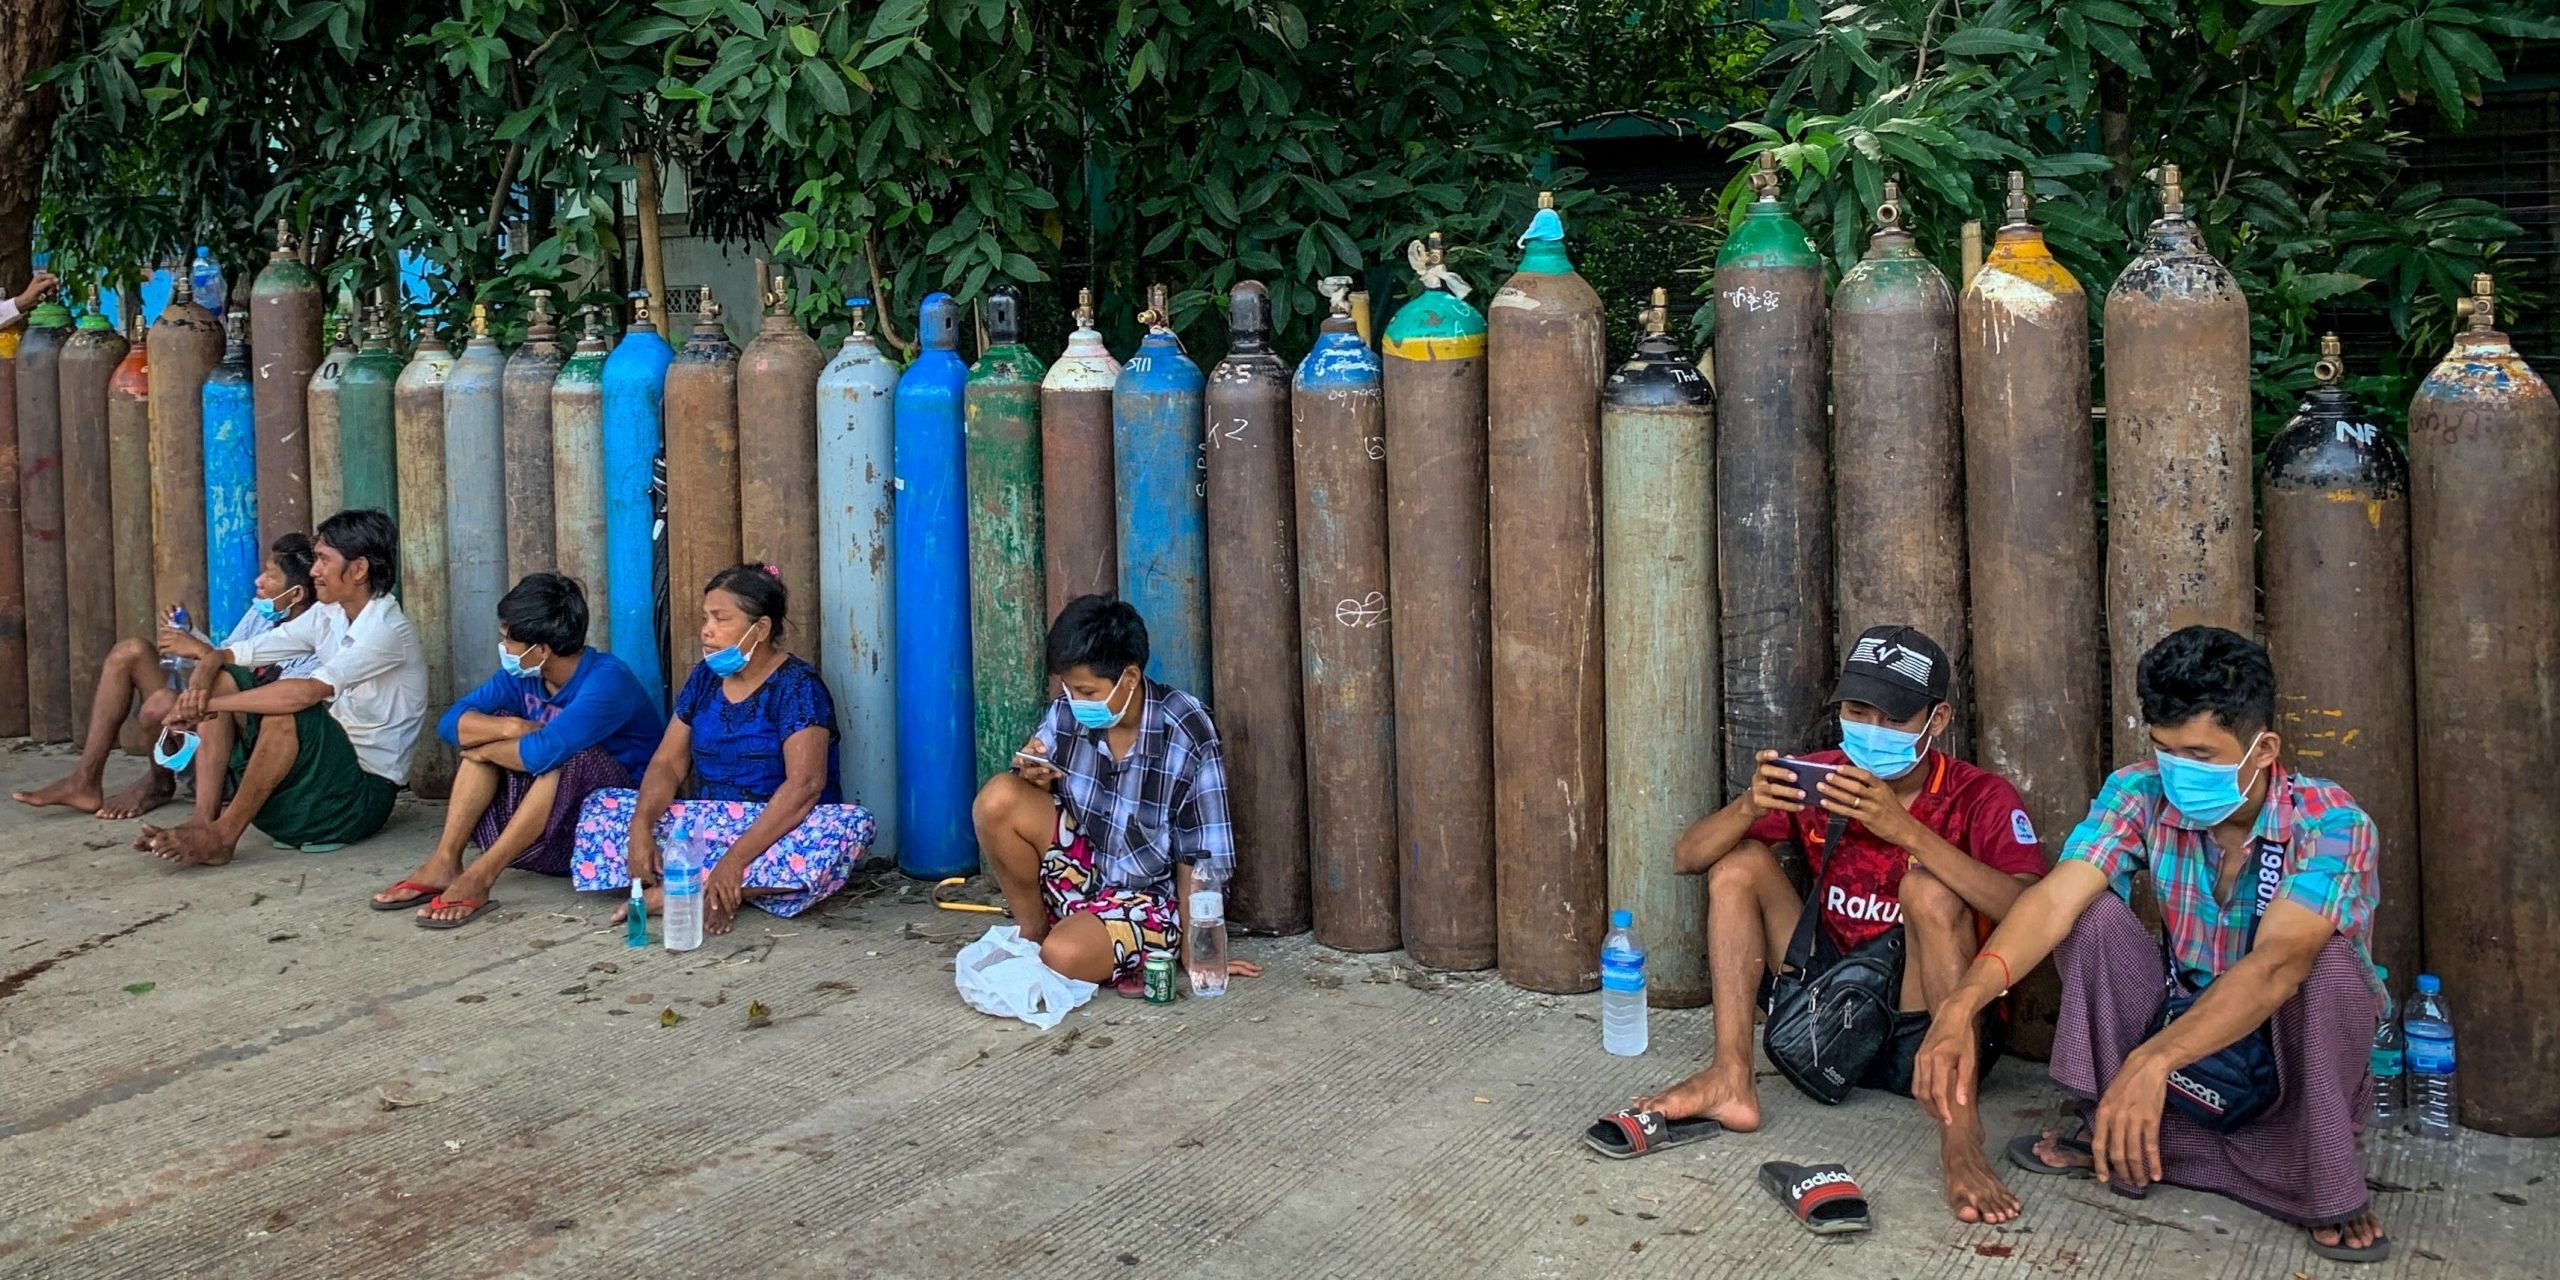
x: 2005, y: 981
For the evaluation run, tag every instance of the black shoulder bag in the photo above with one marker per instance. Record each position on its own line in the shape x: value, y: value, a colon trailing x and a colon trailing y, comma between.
x: 2237, y: 1083
x: 1827, y: 1022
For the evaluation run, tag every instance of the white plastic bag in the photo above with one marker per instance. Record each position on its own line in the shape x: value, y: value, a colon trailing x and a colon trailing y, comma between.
x: 1001, y: 974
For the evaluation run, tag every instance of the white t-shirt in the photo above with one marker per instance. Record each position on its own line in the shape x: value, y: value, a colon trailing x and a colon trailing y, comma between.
x: 374, y: 668
x: 252, y: 623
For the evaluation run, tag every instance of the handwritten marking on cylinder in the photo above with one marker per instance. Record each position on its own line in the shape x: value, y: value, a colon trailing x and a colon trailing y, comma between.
x: 1365, y: 612
x: 1747, y: 298
x: 1376, y: 447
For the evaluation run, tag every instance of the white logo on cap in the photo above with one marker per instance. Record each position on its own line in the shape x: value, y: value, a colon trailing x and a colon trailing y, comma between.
x: 1910, y: 664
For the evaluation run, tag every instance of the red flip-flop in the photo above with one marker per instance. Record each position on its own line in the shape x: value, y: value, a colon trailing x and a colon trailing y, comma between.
x: 1822, y: 1196
x: 422, y: 893
x: 430, y: 922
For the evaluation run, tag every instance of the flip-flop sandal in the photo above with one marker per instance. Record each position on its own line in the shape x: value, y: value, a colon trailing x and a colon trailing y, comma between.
x: 1624, y: 1135
x: 321, y: 846
x: 422, y: 893
x: 2378, y: 1251
x: 1822, y: 1196
x: 2022, y: 1153
x: 477, y: 908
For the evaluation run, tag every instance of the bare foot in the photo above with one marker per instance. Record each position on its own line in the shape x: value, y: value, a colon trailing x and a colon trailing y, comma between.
x: 437, y: 870
x: 2049, y: 1149
x: 1973, y: 1190
x: 150, y: 791
x: 466, y: 887
x: 70, y: 793
x: 195, y: 844
x: 1725, y: 1096
x: 654, y: 901
x: 2357, y: 1234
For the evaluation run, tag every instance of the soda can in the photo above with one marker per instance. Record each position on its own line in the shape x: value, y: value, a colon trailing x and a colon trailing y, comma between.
x: 1159, y: 970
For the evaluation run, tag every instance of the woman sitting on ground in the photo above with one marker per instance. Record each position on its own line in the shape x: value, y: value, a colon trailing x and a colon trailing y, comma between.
x: 132, y: 673
x: 755, y: 730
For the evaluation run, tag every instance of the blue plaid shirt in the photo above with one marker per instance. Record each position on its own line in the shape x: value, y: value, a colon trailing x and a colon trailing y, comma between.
x: 1165, y: 803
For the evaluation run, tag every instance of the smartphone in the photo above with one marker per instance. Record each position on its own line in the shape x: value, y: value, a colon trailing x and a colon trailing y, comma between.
x: 1809, y: 776
x: 1025, y: 757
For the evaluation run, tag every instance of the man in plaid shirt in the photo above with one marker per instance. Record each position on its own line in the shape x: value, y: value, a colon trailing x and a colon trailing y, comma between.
x: 1111, y: 826
x: 2266, y: 885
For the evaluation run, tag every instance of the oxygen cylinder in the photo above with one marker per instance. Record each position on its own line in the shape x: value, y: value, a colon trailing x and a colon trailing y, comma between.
x: 1253, y: 619
x: 231, y: 549
x: 47, y: 687
x: 525, y: 419
x: 2179, y: 542
x: 13, y: 588
x: 929, y: 542
x: 2484, y: 460
x: 129, y: 464
x: 185, y: 345
x: 2336, y: 503
x: 475, y: 504
x: 1081, y: 535
x: 2031, y: 547
x: 1007, y: 630
x: 1658, y: 599
x: 1437, y: 573
x: 368, y: 435
x: 577, y: 477
x: 856, y: 441
x: 321, y: 419
x: 635, y: 383
x: 1545, y: 353
x: 1898, y: 451
x: 778, y: 455
x: 426, y: 582
x: 89, y: 361
x: 1773, y: 487
x: 1338, y: 428
x: 1157, y: 462
x: 702, y: 475
x: 285, y: 311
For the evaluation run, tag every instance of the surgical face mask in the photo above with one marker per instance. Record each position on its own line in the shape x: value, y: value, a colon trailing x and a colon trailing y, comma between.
x: 175, y: 761
x: 514, y: 664
x: 1096, y: 715
x: 2203, y: 790
x: 732, y: 660
x: 1880, y: 749
x: 272, y: 608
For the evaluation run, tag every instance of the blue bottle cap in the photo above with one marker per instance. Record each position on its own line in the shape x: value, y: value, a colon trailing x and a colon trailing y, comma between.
x: 2429, y: 983
x: 1622, y: 919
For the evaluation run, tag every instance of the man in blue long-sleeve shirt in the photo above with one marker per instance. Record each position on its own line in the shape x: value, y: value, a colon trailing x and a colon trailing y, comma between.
x: 558, y: 722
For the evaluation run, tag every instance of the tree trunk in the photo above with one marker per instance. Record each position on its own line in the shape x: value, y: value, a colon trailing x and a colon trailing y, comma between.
x: 31, y: 36
x: 2115, y: 125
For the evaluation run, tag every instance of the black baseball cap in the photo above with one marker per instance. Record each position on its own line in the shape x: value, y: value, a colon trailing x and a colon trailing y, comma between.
x: 1898, y: 670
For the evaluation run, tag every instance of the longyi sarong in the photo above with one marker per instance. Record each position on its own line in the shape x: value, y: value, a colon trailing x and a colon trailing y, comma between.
x: 809, y: 862
x: 580, y: 776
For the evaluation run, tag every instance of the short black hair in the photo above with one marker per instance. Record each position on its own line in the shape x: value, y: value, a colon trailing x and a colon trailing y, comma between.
x: 292, y: 554
x: 547, y: 609
x: 2198, y: 669
x: 370, y: 536
x: 1099, y: 633
x: 759, y: 591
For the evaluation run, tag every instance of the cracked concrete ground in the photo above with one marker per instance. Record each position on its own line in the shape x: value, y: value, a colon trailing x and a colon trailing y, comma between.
x: 243, y: 1072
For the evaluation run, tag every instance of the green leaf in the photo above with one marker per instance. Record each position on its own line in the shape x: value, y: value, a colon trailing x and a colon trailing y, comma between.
x: 1221, y: 201
x: 885, y: 53
x: 371, y: 136
x: 804, y: 40
x: 1293, y: 25
x: 982, y: 111
x: 1171, y: 233
x: 158, y: 57
x: 826, y: 88
x: 1343, y: 246
x: 1022, y: 270
x: 305, y: 20
x: 2356, y: 69
x: 746, y: 16
x: 139, y: 988
x: 2467, y: 49
x: 2319, y: 286
x: 650, y: 30
x: 896, y: 18
x: 1983, y: 42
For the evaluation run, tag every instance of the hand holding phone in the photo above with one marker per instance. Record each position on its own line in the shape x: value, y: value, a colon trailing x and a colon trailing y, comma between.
x: 1033, y: 765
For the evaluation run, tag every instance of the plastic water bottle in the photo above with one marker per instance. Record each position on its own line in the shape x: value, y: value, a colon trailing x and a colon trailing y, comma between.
x: 179, y: 669
x: 1622, y: 1011
x: 2388, y: 1113
x: 1206, y: 926
x: 683, y: 862
x: 2429, y: 1031
x: 205, y: 277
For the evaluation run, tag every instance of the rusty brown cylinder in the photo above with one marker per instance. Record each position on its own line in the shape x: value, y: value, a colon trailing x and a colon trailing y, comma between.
x: 1439, y: 582
x: 1338, y: 433
x: 2031, y: 548
x: 1545, y: 347
x: 129, y: 465
x: 320, y: 418
x: 89, y: 362
x: 13, y: 582
x: 702, y: 476
x: 1080, y: 536
x: 2335, y: 501
x: 525, y: 427
x: 48, y: 681
x: 778, y: 454
x: 185, y: 344
x: 1253, y: 620
x: 1897, y: 454
x: 2180, y: 541
x: 285, y: 311
x: 2484, y: 523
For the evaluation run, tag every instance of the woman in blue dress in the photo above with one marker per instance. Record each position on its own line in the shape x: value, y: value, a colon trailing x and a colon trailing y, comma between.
x: 754, y: 731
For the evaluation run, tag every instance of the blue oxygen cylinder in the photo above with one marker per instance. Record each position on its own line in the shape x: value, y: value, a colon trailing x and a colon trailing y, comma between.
x: 857, y: 395
x: 929, y: 546
x: 1164, y: 522
x: 230, y: 480
x: 635, y: 385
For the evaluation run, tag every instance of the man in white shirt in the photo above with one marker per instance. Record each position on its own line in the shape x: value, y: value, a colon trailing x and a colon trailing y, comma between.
x: 314, y: 762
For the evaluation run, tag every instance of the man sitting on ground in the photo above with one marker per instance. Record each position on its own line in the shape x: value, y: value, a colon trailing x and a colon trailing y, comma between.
x: 2216, y: 820
x: 316, y: 761
x: 1929, y: 845
x: 557, y: 723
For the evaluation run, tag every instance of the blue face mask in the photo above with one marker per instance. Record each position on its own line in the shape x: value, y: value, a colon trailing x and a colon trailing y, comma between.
x: 730, y: 661
x: 272, y: 608
x: 2202, y: 790
x: 1880, y: 749
x: 1095, y: 715
x: 514, y: 665
x: 175, y: 761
